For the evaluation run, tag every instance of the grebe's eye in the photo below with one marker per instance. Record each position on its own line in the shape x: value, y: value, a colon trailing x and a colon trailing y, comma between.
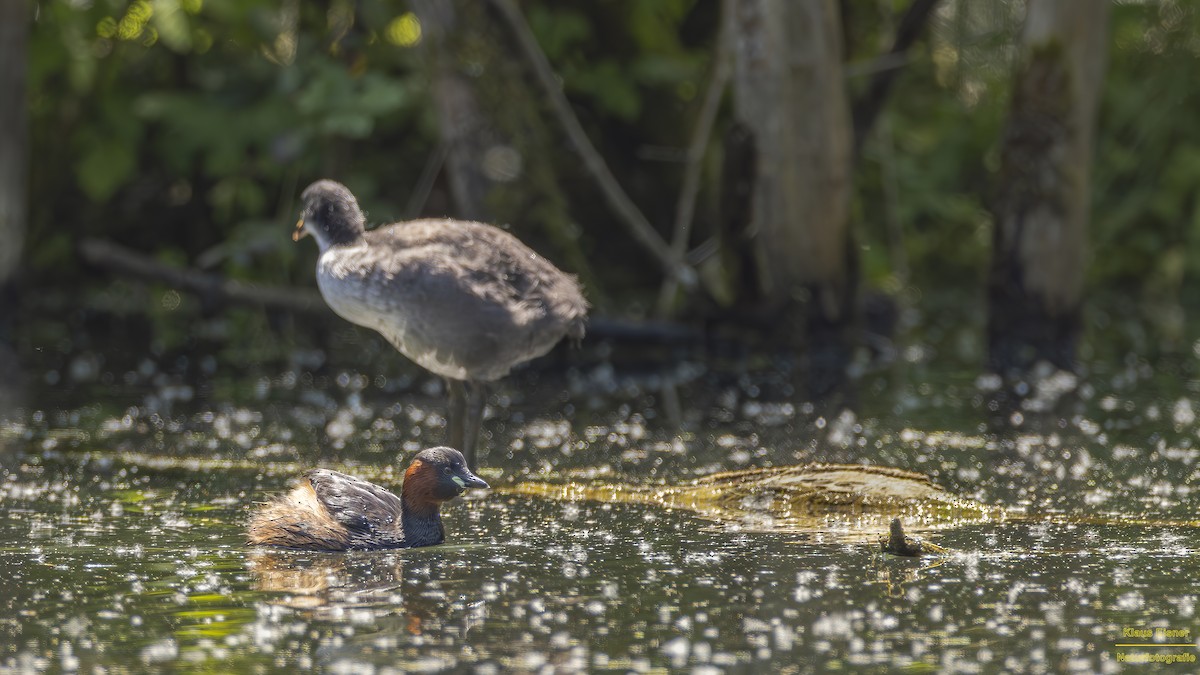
x: 447, y: 470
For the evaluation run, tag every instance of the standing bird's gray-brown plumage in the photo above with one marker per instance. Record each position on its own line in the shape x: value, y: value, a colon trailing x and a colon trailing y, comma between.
x: 464, y: 300
x: 331, y: 511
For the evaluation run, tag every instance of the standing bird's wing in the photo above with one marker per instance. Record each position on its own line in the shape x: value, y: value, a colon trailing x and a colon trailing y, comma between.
x: 470, y: 301
x: 364, y: 508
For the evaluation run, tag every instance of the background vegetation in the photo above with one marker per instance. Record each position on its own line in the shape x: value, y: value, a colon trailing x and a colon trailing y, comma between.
x: 185, y: 129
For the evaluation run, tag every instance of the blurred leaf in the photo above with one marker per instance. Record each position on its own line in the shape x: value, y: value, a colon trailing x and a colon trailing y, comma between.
x: 558, y: 29
x: 610, y: 87
x: 349, y: 124
x: 658, y: 69
x: 172, y: 25
x: 104, y: 167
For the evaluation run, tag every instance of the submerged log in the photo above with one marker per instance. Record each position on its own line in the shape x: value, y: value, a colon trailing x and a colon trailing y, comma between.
x: 808, y: 497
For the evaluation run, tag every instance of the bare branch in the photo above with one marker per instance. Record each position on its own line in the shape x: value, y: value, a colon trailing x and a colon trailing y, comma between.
x: 629, y: 214
x: 120, y: 259
x: 870, y: 104
x: 685, y: 208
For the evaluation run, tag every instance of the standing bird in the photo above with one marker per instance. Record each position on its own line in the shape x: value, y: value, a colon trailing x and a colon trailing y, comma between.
x: 330, y: 511
x: 464, y: 300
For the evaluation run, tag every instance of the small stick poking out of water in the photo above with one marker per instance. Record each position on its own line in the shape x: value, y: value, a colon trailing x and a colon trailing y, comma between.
x: 897, y: 543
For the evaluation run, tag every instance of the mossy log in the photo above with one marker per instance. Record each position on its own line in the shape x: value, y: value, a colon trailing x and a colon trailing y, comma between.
x: 808, y: 497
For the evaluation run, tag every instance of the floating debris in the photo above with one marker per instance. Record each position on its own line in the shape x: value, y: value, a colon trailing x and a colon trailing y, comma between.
x: 898, y: 543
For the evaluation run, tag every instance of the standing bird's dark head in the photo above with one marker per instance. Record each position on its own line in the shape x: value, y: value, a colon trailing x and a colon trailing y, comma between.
x: 437, y: 475
x: 331, y: 215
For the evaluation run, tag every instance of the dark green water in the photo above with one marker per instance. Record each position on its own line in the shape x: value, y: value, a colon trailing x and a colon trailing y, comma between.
x: 121, y: 529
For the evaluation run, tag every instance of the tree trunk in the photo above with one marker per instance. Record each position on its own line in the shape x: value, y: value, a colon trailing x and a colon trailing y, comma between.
x: 499, y: 153
x: 790, y: 96
x: 14, y: 134
x: 1041, y: 209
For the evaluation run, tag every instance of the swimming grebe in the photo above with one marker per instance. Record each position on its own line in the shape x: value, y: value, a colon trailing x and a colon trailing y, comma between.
x: 464, y: 300
x: 330, y: 511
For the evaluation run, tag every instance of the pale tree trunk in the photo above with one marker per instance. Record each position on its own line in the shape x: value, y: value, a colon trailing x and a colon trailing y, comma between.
x: 790, y: 98
x: 14, y: 133
x: 1035, y: 286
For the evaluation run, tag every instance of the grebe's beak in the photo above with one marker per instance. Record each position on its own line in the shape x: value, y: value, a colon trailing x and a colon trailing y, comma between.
x: 300, y: 232
x: 465, y: 479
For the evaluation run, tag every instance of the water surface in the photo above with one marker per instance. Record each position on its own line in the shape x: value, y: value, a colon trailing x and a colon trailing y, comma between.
x: 124, y: 502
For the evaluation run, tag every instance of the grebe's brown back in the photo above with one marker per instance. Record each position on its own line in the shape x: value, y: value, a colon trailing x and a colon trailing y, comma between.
x: 331, y: 511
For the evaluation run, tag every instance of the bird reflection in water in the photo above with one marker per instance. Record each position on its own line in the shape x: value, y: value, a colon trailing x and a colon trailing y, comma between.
x: 327, y: 586
x: 896, y: 574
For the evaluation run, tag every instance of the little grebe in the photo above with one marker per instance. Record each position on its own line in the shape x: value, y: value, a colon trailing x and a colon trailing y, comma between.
x: 464, y: 300
x: 330, y: 511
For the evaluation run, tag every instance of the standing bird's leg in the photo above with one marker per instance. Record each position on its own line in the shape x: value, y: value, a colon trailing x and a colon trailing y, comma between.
x: 465, y: 416
x: 456, y: 415
x: 476, y: 397
x: 470, y: 290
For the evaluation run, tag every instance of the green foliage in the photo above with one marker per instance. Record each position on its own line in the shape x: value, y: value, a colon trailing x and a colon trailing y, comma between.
x: 1147, y: 164
x: 106, y: 163
x: 621, y: 57
x: 188, y: 126
x: 946, y: 123
x: 159, y: 121
x: 935, y: 140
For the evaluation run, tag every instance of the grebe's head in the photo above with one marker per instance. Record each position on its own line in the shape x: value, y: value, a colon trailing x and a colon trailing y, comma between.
x: 436, y: 475
x: 331, y: 215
